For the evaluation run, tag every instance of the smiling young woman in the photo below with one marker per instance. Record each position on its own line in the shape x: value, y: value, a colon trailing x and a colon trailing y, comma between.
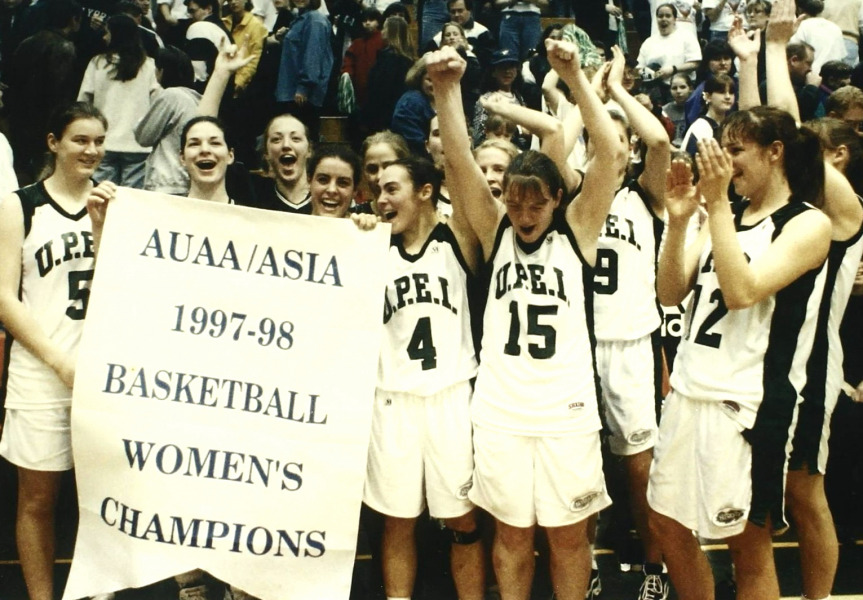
x: 46, y: 265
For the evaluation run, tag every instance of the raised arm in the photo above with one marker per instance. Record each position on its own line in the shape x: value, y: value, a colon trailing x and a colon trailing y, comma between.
x: 586, y: 215
x: 801, y: 247
x: 13, y: 313
x: 648, y: 128
x: 841, y: 204
x: 677, y: 264
x: 469, y: 192
x: 746, y: 46
x: 231, y: 58
x: 780, y: 27
x: 546, y: 127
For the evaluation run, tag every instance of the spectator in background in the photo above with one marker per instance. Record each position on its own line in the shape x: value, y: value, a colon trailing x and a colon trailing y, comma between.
x: 172, y: 17
x: 160, y: 128
x: 717, y: 59
x: 247, y: 29
x: 12, y: 17
x: 481, y: 40
x: 718, y: 97
x: 757, y: 16
x: 846, y: 104
x: 505, y: 81
x: 453, y: 35
x: 120, y: 83
x: 41, y: 76
x: 414, y: 110
x: 362, y: 53
x: 824, y: 36
x: 834, y: 75
x: 520, y: 28
x: 848, y: 16
x: 306, y: 65
x: 387, y: 76
x: 204, y: 37
x: 431, y: 15
x: 721, y: 14
x: 675, y: 111
x: 149, y: 38
x: 666, y: 54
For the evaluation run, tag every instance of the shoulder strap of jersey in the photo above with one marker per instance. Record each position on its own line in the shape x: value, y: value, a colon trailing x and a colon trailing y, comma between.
x: 32, y: 196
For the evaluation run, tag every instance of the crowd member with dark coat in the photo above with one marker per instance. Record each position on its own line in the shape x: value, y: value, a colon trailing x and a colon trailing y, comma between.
x: 387, y: 77
x: 306, y: 66
x: 363, y: 52
x: 41, y: 76
x: 414, y: 110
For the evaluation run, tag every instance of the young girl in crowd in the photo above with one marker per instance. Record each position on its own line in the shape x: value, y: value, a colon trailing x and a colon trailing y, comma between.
x: 681, y: 88
x: 46, y: 265
x: 535, y: 403
x: 718, y: 101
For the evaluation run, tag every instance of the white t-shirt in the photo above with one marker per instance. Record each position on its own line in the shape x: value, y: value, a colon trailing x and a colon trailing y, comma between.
x: 823, y: 35
x: 726, y: 17
x: 124, y: 103
x: 674, y: 49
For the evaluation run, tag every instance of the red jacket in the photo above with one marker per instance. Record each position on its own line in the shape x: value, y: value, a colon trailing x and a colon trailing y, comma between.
x: 359, y: 60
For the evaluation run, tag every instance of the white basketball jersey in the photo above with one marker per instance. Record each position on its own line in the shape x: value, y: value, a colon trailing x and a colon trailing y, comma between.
x: 537, y: 367
x: 427, y: 344
x: 824, y: 371
x: 625, y: 305
x: 754, y: 359
x: 57, y: 268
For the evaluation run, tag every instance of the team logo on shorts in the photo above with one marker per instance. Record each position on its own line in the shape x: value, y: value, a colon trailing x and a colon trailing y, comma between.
x: 583, y: 502
x: 575, y: 405
x: 639, y: 437
x: 463, y: 490
x: 729, y: 516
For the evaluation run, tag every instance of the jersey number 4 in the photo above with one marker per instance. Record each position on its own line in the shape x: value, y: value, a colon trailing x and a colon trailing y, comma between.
x: 421, y: 347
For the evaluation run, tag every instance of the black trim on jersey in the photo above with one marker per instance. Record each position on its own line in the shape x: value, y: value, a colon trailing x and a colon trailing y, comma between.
x: 440, y: 233
x: 267, y: 197
x: 806, y: 444
x: 588, y: 285
x: 35, y: 195
x: 656, y: 346
x: 769, y: 435
x: 810, y: 416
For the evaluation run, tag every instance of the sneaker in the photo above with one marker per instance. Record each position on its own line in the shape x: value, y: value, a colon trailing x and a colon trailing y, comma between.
x: 655, y: 587
x: 198, y: 592
x: 594, y: 588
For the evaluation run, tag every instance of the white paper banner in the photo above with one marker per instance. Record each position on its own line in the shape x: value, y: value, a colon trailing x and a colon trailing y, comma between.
x: 223, y: 397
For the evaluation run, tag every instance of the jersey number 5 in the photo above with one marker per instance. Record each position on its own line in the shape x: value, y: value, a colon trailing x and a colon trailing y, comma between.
x: 79, y: 291
x: 421, y: 347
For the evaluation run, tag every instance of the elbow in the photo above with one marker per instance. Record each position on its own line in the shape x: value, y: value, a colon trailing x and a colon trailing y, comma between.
x: 740, y: 299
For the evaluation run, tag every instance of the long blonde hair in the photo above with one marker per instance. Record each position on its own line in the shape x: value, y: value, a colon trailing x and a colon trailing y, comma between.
x: 397, y: 36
